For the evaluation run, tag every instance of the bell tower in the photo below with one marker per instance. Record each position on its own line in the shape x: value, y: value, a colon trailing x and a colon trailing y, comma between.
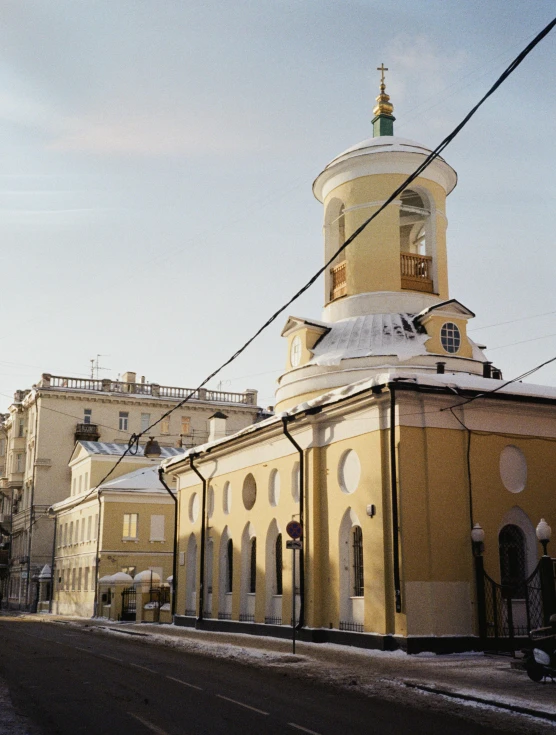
x: 386, y: 304
x: 402, y: 254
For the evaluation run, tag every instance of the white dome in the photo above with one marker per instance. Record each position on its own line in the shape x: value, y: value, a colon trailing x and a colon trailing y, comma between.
x: 107, y: 579
x: 374, y: 156
x: 146, y: 576
x: 122, y: 577
x: 384, y: 144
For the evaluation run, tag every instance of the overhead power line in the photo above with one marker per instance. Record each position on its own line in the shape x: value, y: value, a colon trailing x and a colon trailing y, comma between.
x: 134, y: 439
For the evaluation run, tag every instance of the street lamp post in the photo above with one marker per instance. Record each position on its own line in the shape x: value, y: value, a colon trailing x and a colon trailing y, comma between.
x: 478, y: 539
x: 546, y: 569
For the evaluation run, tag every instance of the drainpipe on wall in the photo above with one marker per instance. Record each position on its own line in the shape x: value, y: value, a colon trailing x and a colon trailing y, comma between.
x: 301, y: 622
x: 31, y: 510
x: 201, y: 602
x: 53, y: 565
x: 97, y: 559
x: 394, y: 491
x: 174, y: 558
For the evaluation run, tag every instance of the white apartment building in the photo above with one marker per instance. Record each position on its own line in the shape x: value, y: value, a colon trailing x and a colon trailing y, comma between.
x: 37, y: 438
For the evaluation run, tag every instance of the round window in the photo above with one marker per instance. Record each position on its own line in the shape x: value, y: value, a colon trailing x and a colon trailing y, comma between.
x: 249, y: 492
x: 450, y: 337
x: 349, y: 472
x: 193, y: 507
x: 210, y: 503
x: 513, y: 469
x: 295, y: 351
x: 274, y: 488
x: 227, y: 498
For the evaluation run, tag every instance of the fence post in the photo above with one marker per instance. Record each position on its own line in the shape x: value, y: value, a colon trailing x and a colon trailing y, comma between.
x: 548, y: 588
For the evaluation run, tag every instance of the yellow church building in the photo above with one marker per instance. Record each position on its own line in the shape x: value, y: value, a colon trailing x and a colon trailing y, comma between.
x: 419, y: 476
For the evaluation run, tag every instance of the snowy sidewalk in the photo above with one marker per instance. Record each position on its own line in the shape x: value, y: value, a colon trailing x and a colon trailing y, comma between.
x: 474, y: 678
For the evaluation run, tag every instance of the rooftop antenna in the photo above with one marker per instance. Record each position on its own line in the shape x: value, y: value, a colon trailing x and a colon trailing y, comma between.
x: 95, y: 367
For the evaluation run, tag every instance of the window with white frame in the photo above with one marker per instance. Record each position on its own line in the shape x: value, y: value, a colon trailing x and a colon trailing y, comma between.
x: 95, y: 527
x: 165, y: 425
x: 130, y: 525
x: 87, y: 415
x: 157, y: 528
x: 77, y: 531
x: 86, y: 585
x: 21, y: 427
x: 19, y: 462
x: 185, y: 425
x: 145, y: 421
x: 89, y: 521
x: 124, y: 420
x: 70, y: 538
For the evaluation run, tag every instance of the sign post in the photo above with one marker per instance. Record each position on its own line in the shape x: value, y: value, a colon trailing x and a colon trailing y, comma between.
x: 294, y: 529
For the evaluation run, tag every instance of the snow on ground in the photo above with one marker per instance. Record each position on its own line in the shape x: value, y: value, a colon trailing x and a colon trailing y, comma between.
x: 10, y: 722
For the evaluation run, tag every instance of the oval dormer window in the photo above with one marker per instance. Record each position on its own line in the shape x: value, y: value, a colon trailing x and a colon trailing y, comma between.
x: 450, y: 337
x: 295, y: 351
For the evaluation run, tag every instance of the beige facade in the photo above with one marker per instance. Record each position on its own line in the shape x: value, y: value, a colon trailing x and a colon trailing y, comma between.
x: 40, y: 432
x: 127, y: 524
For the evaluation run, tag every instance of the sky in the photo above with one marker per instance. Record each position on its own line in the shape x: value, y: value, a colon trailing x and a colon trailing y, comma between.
x: 157, y: 157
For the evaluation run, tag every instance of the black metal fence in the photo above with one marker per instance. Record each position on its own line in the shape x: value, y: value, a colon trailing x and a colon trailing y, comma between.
x: 512, y: 610
x: 129, y: 604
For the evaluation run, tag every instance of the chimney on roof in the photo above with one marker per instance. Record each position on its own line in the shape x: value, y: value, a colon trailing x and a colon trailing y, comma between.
x: 217, y: 426
x: 129, y: 377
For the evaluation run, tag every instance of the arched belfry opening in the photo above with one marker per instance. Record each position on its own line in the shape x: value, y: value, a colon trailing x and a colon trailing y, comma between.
x: 334, y: 237
x: 416, y: 242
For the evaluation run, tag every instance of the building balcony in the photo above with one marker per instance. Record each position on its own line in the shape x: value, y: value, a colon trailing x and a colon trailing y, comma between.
x: 338, y: 280
x: 416, y: 272
x: 87, y: 432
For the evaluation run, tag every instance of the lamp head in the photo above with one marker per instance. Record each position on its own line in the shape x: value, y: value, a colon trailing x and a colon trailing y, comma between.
x: 152, y: 449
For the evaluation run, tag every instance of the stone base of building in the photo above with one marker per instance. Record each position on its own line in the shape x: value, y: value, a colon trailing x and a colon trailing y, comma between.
x: 411, y: 645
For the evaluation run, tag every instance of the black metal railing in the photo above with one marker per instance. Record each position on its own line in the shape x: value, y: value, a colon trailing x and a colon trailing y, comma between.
x: 224, y: 616
x: 269, y: 620
x: 348, y: 625
x: 246, y: 618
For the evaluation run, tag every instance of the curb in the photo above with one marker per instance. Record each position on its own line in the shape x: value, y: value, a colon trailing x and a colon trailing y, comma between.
x: 550, y: 716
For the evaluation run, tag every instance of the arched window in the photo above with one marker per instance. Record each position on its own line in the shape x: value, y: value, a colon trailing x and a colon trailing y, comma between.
x: 357, y: 562
x: 230, y: 566
x: 416, y: 243
x: 253, y: 566
x: 513, y: 560
x: 413, y: 223
x: 278, y: 564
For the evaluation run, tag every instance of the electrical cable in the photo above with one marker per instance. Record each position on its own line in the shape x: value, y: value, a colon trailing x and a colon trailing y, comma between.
x: 133, y: 443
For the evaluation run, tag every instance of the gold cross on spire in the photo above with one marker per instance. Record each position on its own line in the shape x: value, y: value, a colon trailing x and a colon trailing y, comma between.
x: 382, y: 69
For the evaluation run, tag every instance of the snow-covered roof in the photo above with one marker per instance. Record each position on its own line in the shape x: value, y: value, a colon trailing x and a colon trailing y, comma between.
x: 144, y: 479
x: 449, y: 381
x: 119, y: 449
x: 372, y: 334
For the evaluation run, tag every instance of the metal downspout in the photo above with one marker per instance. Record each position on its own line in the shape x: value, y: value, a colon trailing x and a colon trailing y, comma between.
x: 394, y: 492
x: 53, y: 565
x: 203, y: 532
x: 97, y: 559
x: 31, y: 516
x: 174, y: 558
x: 301, y: 622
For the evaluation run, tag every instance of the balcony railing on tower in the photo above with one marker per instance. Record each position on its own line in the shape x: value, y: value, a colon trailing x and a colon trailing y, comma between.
x: 416, y: 272
x: 338, y: 280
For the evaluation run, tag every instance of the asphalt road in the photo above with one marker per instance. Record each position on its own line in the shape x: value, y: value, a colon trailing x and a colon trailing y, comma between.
x: 70, y: 681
